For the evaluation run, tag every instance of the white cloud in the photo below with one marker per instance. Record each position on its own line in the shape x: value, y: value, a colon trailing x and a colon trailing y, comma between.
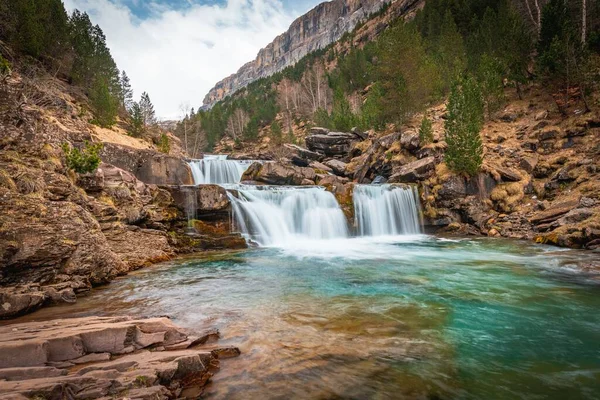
x: 177, y: 56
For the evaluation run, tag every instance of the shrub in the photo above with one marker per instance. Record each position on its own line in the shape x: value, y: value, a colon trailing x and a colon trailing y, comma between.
x: 4, y: 67
x: 426, y: 131
x: 83, y: 161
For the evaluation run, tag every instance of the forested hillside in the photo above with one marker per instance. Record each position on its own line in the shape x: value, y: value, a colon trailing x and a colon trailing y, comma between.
x: 39, y: 35
x: 448, y: 47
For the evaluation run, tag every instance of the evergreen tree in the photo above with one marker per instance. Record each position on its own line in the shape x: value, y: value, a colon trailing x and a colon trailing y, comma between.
x: 147, y: 109
x: 126, y: 92
x: 104, y: 104
x: 342, y: 118
x: 463, y: 126
x: 451, y: 53
x: 137, y: 127
x: 426, y: 131
x: 276, y: 132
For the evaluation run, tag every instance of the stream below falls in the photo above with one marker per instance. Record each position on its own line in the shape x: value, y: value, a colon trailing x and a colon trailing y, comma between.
x: 391, y: 317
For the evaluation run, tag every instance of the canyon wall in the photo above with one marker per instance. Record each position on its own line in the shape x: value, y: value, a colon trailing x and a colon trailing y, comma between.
x: 323, y: 25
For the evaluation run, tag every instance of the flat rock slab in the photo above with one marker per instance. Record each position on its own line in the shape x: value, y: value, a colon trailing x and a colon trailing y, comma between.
x: 100, y: 357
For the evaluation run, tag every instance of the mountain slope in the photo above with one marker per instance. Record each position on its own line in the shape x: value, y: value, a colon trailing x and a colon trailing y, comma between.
x: 323, y: 25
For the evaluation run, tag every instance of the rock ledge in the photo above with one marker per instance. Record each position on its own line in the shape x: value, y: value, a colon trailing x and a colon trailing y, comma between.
x: 106, y: 357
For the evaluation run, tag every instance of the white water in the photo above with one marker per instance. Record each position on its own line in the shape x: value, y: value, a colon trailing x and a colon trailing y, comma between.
x: 386, y: 210
x: 217, y: 169
x: 282, y: 216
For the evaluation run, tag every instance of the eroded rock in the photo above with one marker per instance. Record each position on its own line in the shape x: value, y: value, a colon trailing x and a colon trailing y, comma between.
x: 26, y: 350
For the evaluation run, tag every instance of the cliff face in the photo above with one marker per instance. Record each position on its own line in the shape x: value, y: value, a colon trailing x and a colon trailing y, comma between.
x: 321, y: 26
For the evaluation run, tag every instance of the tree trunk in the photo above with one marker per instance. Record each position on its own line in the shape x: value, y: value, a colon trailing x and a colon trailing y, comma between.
x: 583, y: 22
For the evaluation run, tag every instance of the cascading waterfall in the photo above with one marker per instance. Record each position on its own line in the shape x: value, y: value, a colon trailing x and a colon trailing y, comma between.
x: 217, y: 169
x: 382, y: 210
x: 278, y: 216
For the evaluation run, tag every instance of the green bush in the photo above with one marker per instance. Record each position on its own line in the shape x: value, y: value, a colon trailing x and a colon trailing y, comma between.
x: 4, y: 66
x: 83, y: 161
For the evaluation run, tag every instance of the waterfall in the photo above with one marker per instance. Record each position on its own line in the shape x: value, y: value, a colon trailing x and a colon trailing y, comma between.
x: 217, y: 169
x: 278, y: 216
x: 387, y: 210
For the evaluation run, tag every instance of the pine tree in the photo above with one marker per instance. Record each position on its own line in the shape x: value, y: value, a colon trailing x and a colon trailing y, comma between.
x: 426, y: 131
x: 276, y: 132
x: 104, y: 104
x: 451, y: 50
x: 463, y: 126
x: 137, y: 128
x: 126, y: 92
x: 147, y: 108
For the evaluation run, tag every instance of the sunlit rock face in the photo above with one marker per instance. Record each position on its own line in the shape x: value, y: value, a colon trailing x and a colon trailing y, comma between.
x: 323, y: 25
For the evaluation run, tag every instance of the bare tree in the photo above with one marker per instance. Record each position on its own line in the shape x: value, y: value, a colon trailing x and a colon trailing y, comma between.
x: 583, y: 22
x: 184, y: 109
x: 236, y: 123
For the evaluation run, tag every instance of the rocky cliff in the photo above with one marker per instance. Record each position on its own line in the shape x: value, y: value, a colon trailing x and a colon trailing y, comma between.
x: 321, y: 26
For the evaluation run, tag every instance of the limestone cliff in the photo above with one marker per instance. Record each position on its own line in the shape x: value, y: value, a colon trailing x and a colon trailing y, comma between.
x: 323, y: 25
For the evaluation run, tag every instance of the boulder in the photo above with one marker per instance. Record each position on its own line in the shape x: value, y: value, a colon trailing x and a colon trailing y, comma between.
x: 201, y: 200
x: 320, y: 166
x: 410, y: 141
x: 388, y: 140
x: 319, y: 131
x: 275, y: 173
x: 413, y: 172
x: 528, y: 163
x: 360, y: 134
x: 148, y: 166
x: 301, y: 156
x: 379, y: 180
x: 338, y: 167
x: 333, y: 144
x: 508, y: 174
x: 554, y: 212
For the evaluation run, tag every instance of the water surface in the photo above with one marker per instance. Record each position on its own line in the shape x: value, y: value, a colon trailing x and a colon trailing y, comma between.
x: 412, y: 317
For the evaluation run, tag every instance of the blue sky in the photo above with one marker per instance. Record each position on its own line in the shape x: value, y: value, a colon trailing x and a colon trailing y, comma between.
x: 144, y: 9
x: 176, y: 50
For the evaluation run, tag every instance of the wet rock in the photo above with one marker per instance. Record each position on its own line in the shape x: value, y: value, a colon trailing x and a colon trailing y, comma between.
x: 379, y: 180
x: 27, y: 348
x: 14, y: 304
x: 275, y: 173
x: 203, y: 199
x: 414, y: 171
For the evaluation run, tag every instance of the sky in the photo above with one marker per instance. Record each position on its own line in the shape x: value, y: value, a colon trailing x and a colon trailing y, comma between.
x: 177, y: 50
